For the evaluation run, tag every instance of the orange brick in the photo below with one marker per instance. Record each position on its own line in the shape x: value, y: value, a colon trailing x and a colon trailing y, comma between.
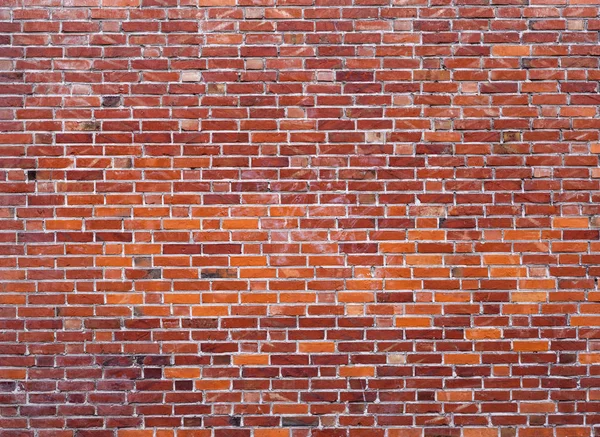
x: 182, y: 372
x: 356, y: 371
x: 316, y: 347
x: 13, y: 373
x: 480, y: 432
x: 250, y: 360
x: 461, y: 359
x: 510, y: 50
x: 271, y: 433
x: 483, y: 333
x: 413, y: 322
x: 570, y: 222
x: 530, y: 345
x: 136, y: 433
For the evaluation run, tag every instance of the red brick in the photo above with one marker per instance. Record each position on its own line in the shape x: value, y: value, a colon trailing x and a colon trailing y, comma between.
x: 225, y: 218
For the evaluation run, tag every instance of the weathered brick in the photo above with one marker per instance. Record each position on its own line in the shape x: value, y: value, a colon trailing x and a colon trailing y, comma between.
x: 299, y: 219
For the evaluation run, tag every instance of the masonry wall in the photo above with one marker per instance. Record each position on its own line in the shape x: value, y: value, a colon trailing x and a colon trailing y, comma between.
x: 299, y: 218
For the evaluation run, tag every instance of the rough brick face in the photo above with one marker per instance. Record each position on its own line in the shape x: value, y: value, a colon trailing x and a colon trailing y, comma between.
x: 299, y: 218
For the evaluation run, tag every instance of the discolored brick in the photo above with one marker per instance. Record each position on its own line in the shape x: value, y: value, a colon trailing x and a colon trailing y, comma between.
x: 234, y: 218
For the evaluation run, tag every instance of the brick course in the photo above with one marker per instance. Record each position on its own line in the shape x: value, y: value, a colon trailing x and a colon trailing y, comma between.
x: 299, y: 218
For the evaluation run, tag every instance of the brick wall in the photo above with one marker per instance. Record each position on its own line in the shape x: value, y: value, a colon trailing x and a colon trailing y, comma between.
x: 299, y: 218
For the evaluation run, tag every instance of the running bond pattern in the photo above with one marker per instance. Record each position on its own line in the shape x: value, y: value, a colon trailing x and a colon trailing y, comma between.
x: 299, y: 218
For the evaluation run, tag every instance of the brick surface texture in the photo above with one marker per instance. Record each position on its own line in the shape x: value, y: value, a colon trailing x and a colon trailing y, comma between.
x: 299, y: 218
